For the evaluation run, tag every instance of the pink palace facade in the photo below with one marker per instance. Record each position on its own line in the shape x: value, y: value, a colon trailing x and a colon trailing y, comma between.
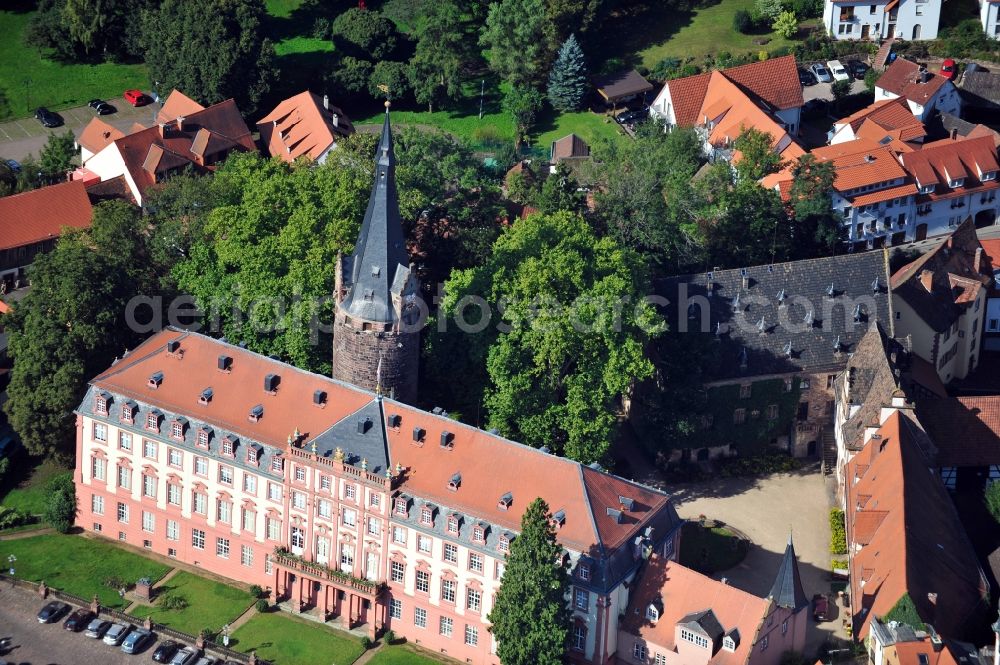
x: 358, y: 509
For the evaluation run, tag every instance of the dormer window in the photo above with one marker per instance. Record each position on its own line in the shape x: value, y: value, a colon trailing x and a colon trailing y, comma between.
x: 455, y: 482
x: 505, y: 501
x: 478, y: 534
x: 558, y: 518
x: 128, y: 413
x: 256, y: 413
x: 101, y: 404
x: 177, y: 429
x: 957, y: 182
x: 400, y: 506
x: 453, y: 524
x: 583, y: 571
x: 504, y: 544
x: 227, y: 446
x: 989, y: 175
x: 426, y: 515
x: 202, y: 441
x: 652, y: 614
x: 153, y: 421
x: 731, y: 640
x: 277, y: 464
x: 155, y: 380
x: 205, y: 397
x: 926, y: 189
x: 252, y: 455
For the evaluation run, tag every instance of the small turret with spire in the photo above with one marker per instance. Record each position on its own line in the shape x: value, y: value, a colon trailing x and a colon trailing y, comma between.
x: 787, y: 589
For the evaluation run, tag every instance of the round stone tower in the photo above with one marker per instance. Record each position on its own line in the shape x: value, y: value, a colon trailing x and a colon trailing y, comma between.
x: 376, y: 340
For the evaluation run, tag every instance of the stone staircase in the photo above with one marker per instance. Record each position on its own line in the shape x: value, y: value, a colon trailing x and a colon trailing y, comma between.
x: 829, y: 442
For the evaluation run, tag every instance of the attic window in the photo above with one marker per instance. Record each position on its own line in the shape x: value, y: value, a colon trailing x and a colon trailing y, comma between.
x: 401, y: 505
x: 615, y: 514
x: 252, y: 455
x: 505, y: 540
x: 155, y: 380
x: 559, y: 518
x: 177, y: 429
x: 376, y: 271
x: 453, y: 524
x: 394, y: 420
x: 277, y: 464
x: 989, y: 175
x: 427, y: 515
x: 363, y: 425
x: 128, y: 413
x: 418, y: 434
x: 628, y: 503
x: 202, y: 438
x: 369, y: 295
x: 256, y: 413
x: 455, y: 482
x: 173, y: 346
x: 271, y: 382
x: 446, y: 439
x: 478, y: 534
x: 957, y: 182
x: 225, y: 363
x: 583, y: 571
x: 153, y: 421
x: 205, y: 397
x: 652, y: 614
x: 227, y: 446
x: 505, y: 501
x: 319, y: 398
x: 731, y: 641
x: 101, y: 404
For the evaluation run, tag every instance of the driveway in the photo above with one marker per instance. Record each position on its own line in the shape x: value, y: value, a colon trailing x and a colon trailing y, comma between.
x: 36, y: 644
x: 825, y: 91
x: 19, y: 138
x: 767, y: 510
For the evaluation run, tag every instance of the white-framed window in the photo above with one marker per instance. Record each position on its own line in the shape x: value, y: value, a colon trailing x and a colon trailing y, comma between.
x: 448, y: 590
x: 148, y: 522
x: 298, y: 538
x: 661, y: 659
x: 581, y: 599
x: 346, y: 556
x: 97, y: 504
x: 249, y: 520
x: 763, y: 643
x: 579, y: 640
x: 98, y: 468
x: 697, y: 640
x: 268, y: 565
x: 324, y: 483
x: 124, y: 477
x: 424, y: 544
x: 173, y: 494
x: 475, y: 562
x: 274, y: 491
x: 473, y: 600
x: 125, y: 441
x: 197, y: 539
x: 498, y: 570
x: 350, y: 517
x: 471, y: 635
x: 397, y: 571
x: 175, y: 457
x: 177, y: 430
x: 652, y: 614
x: 396, y: 609
x: 149, y: 449
x: 350, y: 491
x: 202, y: 441
x: 148, y: 486
x: 420, y: 617
x: 222, y: 548
x: 446, y: 626
x: 399, y: 535
x: 273, y: 528
x: 375, y: 500
x: 225, y: 474
x: 423, y: 581
x: 200, y: 501
x: 250, y: 483
x: 451, y: 553
x: 173, y: 530
x: 639, y: 651
x: 100, y: 432
x: 299, y: 500
x: 224, y: 511
x: 123, y: 513
x: 324, y: 508
x: 201, y: 466
x: 374, y: 526
x: 300, y: 474
x: 246, y: 556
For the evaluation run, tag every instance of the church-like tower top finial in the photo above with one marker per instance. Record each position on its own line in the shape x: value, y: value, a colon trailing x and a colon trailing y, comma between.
x: 787, y: 589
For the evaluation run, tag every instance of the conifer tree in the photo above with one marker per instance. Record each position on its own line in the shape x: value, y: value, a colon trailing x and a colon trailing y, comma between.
x: 530, y: 617
x: 568, y: 78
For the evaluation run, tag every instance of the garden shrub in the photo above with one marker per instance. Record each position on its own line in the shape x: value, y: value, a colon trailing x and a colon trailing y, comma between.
x: 256, y: 591
x: 389, y: 636
x: 115, y: 582
x: 758, y: 465
x: 838, y: 534
x: 366, y: 643
x: 60, y: 506
x: 261, y: 605
x: 12, y: 517
x: 742, y: 22
x: 173, y: 601
x: 905, y: 611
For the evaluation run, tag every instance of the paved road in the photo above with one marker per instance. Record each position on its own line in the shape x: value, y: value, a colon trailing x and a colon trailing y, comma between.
x: 767, y: 509
x: 19, y: 138
x: 36, y: 644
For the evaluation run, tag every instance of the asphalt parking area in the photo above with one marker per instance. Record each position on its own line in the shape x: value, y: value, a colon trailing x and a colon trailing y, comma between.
x: 32, y: 643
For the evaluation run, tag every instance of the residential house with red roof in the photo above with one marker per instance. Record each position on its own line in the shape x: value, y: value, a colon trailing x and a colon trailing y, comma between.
x: 906, y: 544
x: 971, y: 460
x: 888, y: 118
x: 884, y: 20
x: 677, y: 616
x: 145, y: 157
x: 31, y: 222
x: 895, y: 643
x: 939, y: 300
x: 923, y: 90
x: 764, y: 95
x: 304, y: 125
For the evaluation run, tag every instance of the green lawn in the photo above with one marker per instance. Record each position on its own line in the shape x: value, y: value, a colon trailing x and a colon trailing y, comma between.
x: 52, y: 84
x: 287, y: 640
x: 78, y: 565
x: 211, y: 604
x: 405, y: 654
x: 706, y: 31
x: 24, y: 485
x: 710, y: 550
x: 585, y: 124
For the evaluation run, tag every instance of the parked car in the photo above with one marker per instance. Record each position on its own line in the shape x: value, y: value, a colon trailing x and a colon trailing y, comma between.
x: 136, y: 97
x: 186, y: 656
x: 628, y: 117
x: 52, y: 611
x: 165, y: 651
x: 96, y: 628
x: 47, y: 117
x: 94, y: 103
x: 857, y: 69
x: 14, y: 165
x: 137, y: 640
x: 821, y: 606
x: 105, y: 109
x: 806, y: 77
x: 815, y: 108
x: 821, y: 73
x: 838, y: 71
x: 78, y: 620
x: 949, y: 69
x: 117, y: 633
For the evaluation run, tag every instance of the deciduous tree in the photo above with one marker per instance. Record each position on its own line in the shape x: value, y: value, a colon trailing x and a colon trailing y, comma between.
x: 57, y: 155
x: 515, y: 40
x: 442, y: 50
x: 523, y: 104
x: 60, y: 503
x: 365, y: 33
x: 757, y: 155
x: 530, y: 619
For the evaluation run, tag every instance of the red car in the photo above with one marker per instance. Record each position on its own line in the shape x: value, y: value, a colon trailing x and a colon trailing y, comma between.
x: 821, y: 607
x: 136, y: 97
x: 948, y: 69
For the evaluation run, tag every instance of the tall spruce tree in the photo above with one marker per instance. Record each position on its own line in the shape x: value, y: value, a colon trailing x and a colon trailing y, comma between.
x: 530, y: 616
x: 568, y: 78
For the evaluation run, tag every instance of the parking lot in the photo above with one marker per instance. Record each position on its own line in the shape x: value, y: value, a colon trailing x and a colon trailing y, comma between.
x: 19, y: 138
x: 32, y: 643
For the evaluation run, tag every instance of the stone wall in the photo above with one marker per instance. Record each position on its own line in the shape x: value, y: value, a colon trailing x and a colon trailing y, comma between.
x: 356, y: 358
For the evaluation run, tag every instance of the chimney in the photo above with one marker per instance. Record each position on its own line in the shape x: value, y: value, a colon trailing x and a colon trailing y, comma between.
x: 335, y: 120
x: 326, y: 102
x: 978, y: 261
x: 162, y: 129
x: 954, y: 133
x: 927, y: 279
x: 180, y: 123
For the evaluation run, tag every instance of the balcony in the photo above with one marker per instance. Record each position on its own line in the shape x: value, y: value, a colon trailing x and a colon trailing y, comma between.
x: 294, y: 562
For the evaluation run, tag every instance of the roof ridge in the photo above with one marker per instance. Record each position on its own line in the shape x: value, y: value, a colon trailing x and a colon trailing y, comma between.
x: 835, y: 257
x: 590, y: 512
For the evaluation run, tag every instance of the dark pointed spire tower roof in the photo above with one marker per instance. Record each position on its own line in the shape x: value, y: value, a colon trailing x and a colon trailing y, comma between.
x: 787, y: 589
x: 379, y: 266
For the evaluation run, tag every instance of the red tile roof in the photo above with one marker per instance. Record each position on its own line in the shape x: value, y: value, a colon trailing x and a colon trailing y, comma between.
x: 678, y: 591
x: 177, y: 105
x: 919, y: 653
x: 941, y: 161
x: 893, y: 116
x: 687, y: 94
x: 978, y: 420
x: 98, y: 134
x: 776, y: 81
x: 919, y: 546
x: 41, y: 214
x: 300, y: 125
x: 860, y: 163
x: 489, y: 465
x: 904, y: 78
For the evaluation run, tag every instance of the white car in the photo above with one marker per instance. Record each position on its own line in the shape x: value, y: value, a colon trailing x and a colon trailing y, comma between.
x: 838, y: 71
